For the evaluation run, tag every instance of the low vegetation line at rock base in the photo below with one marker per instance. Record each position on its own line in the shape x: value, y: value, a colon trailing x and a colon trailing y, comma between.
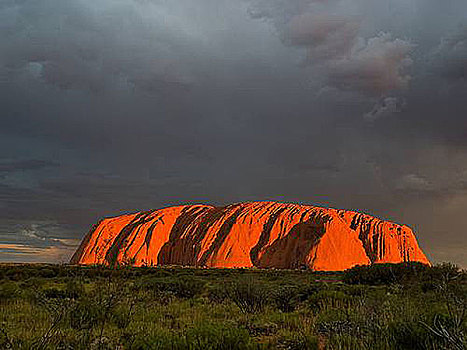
x: 387, y: 306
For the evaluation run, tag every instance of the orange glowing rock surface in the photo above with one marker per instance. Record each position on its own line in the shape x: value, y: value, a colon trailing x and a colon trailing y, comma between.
x: 260, y: 234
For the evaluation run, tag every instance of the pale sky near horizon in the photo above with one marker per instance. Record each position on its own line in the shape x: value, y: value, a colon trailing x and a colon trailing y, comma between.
x: 114, y: 106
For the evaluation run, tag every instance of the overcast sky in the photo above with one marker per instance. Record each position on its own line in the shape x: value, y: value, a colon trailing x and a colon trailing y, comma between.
x: 113, y: 106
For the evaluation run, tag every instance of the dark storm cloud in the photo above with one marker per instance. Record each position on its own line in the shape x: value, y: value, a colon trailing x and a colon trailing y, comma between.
x: 326, y: 36
x: 22, y: 165
x: 63, y: 44
x: 115, y: 106
x: 374, y: 68
x: 331, y: 35
x: 385, y: 108
x: 450, y: 57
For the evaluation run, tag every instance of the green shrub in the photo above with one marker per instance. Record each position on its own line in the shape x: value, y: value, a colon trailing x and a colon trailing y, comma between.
x: 330, y: 299
x: 217, y: 337
x: 217, y: 294
x: 286, y: 298
x: 74, y: 289
x: 85, y: 315
x: 249, y: 296
x: 47, y: 272
x: 440, y: 276
x: 8, y: 290
x: 307, y: 291
x: 121, y: 316
x: 379, y: 274
x: 185, y: 287
x: 182, y: 287
x: 15, y: 273
x: 407, y: 335
x: 447, y: 331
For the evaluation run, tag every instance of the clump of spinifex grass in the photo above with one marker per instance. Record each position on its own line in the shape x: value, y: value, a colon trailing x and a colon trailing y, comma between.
x: 402, y: 306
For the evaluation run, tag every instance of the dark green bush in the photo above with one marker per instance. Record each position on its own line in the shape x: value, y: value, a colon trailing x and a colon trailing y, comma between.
x: 74, y: 289
x: 217, y: 294
x: 217, y: 337
x: 183, y: 287
x: 411, y: 274
x: 409, y: 335
x: 306, y: 291
x: 249, y: 296
x: 379, y: 274
x: 8, y: 290
x: 330, y: 298
x: 85, y: 315
x: 447, y: 332
x: 121, y: 316
x: 47, y: 272
x: 440, y: 276
x: 286, y: 298
x: 15, y: 273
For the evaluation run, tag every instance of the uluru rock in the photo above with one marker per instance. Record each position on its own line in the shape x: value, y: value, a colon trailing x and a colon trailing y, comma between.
x: 253, y: 234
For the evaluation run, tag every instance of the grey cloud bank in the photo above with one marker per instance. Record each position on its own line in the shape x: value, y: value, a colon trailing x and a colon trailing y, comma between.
x: 115, y: 106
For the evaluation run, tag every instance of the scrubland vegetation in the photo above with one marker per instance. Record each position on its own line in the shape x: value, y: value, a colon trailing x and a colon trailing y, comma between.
x: 403, y: 306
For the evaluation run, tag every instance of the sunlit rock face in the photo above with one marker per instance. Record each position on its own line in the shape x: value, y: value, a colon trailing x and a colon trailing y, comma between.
x: 254, y: 234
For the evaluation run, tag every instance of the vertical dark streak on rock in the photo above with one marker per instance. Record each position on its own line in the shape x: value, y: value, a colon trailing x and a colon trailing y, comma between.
x: 353, y: 224
x: 402, y: 244
x: 207, y: 220
x: 221, y: 235
x: 147, y: 238
x: 264, y: 236
x: 381, y: 246
x: 304, y: 214
x: 95, y: 247
x: 187, y: 216
x: 375, y: 238
x: 112, y: 253
x: 367, y: 228
x: 79, y: 252
x: 147, y: 219
x: 228, y: 253
x: 296, y: 244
